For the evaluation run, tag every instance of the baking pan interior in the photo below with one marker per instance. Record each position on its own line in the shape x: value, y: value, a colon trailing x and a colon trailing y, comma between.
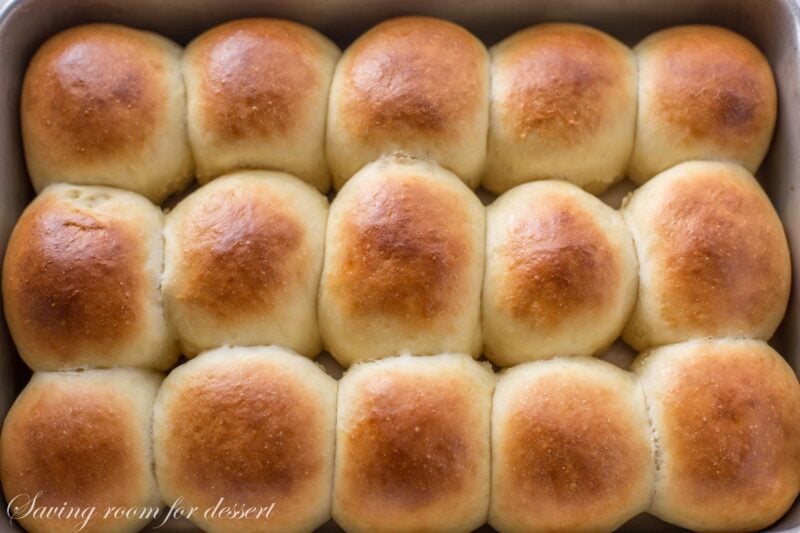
x: 771, y: 24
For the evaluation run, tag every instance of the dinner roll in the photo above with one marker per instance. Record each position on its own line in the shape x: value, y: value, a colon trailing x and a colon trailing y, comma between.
x: 254, y: 427
x: 412, y: 445
x: 103, y: 104
x: 704, y: 93
x: 81, y: 281
x: 563, y: 106
x: 243, y: 257
x: 78, y: 444
x: 257, y: 92
x: 713, y: 257
x: 412, y: 85
x: 403, y: 264
x: 571, y: 447
x: 557, y: 258
x: 726, y: 417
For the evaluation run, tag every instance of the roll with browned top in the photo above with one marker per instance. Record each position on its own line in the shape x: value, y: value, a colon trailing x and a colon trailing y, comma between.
x: 81, y: 281
x: 563, y: 106
x: 403, y: 264
x: 103, y: 104
x: 571, y: 448
x: 80, y: 441
x: 243, y: 257
x: 713, y: 257
x: 412, y: 445
x: 557, y: 258
x: 257, y: 93
x: 413, y: 85
x: 704, y: 93
x: 254, y: 427
x: 726, y: 418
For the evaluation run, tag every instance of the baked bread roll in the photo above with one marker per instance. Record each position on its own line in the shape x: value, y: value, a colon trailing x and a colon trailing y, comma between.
x: 103, y: 104
x: 412, y: 85
x: 557, y: 258
x: 243, y: 257
x: 257, y: 94
x: 571, y: 447
x: 713, y: 257
x: 704, y: 93
x: 412, y: 445
x: 81, y: 281
x: 79, y: 443
x: 726, y: 416
x: 403, y: 264
x: 255, y: 426
x: 563, y: 106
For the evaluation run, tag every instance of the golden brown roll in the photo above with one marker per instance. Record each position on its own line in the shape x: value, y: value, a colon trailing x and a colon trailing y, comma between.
x: 79, y: 443
x: 418, y: 86
x: 571, y: 447
x: 412, y: 445
x: 243, y: 257
x: 103, y: 104
x: 713, y: 257
x: 81, y: 281
x: 563, y: 106
x: 557, y: 258
x: 726, y: 416
x: 704, y: 93
x: 255, y: 426
x: 403, y: 264
x: 257, y: 93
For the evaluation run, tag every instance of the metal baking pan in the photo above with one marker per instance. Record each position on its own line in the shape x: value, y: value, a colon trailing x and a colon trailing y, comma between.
x: 771, y: 24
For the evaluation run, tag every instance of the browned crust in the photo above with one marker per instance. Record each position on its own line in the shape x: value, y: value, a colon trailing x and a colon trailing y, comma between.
x: 255, y: 76
x: 412, y: 75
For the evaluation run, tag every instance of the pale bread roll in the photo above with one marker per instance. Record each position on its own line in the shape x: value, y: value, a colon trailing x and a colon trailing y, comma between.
x: 412, y: 85
x: 243, y: 257
x: 713, y: 257
x: 412, y: 445
x: 104, y: 104
x: 557, y: 258
x: 563, y: 106
x: 255, y: 426
x: 81, y: 281
x: 726, y: 418
x: 403, y: 264
x: 82, y: 442
x: 571, y: 447
x: 257, y: 94
x: 704, y: 93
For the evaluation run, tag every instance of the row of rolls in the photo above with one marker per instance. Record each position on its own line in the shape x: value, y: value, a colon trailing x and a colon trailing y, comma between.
x: 405, y: 259
x: 703, y: 434
x: 109, y: 105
